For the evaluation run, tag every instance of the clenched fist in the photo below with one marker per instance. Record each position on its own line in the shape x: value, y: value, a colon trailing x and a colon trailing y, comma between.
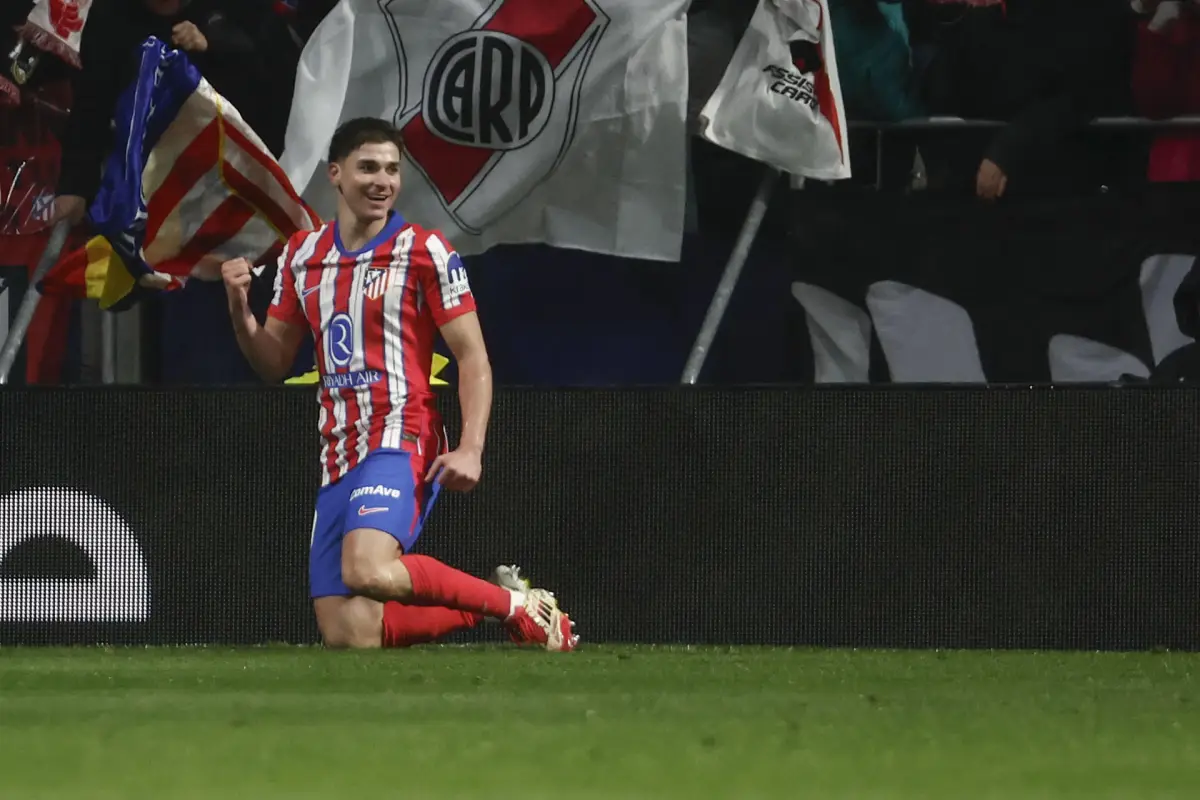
x: 237, y: 275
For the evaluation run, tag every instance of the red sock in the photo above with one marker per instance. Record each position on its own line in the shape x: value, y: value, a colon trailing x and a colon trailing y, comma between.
x: 435, y: 584
x: 404, y: 626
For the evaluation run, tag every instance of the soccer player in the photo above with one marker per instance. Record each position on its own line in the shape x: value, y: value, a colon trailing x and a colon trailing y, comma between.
x: 374, y: 289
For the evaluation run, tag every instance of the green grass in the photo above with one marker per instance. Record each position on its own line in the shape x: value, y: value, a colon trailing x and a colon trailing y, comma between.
x: 627, y: 722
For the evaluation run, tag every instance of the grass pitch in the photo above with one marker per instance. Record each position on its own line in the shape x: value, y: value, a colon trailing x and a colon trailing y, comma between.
x: 605, y: 722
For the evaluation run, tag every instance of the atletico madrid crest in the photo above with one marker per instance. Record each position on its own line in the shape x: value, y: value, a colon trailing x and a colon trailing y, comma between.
x: 376, y: 283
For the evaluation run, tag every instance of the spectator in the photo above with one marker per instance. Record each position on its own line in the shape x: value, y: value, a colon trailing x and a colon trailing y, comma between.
x: 1045, y: 67
x: 1166, y: 82
x: 874, y: 61
x: 217, y: 36
x: 876, y: 77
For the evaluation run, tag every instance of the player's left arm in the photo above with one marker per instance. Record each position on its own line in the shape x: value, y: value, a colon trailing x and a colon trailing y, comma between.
x: 448, y: 294
x: 465, y: 340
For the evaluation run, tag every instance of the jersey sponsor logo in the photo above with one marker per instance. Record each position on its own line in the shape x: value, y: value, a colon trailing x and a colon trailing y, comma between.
x: 365, y: 510
x: 340, y: 338
x: 452, y: 275
x: 351, y: 380
x: 794, y: 86
x: 457, y: 283
x: 375, y: 491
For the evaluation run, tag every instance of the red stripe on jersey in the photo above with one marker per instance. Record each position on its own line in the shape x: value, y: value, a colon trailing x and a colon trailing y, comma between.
x: 311, y: 298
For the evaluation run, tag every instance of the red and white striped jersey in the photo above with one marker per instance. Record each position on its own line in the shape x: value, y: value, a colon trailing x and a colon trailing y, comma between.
x: 374, y: 314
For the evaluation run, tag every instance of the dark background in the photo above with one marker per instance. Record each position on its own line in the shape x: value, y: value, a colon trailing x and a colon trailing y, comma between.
x: 888, y: 516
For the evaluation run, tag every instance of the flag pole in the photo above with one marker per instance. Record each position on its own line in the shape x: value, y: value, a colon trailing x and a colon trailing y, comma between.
x: 29, y: 303
x: 729, y: 278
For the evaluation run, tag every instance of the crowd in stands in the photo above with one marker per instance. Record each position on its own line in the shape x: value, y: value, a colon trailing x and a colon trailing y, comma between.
x: 1040, y: 68
x: 1043, y: 67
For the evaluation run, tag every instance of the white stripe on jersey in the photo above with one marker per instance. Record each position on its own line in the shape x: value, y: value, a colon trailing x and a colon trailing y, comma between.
x: 393, y: 340
x: 362, y: 394
x: 326, y: 296
x: 303, y: 253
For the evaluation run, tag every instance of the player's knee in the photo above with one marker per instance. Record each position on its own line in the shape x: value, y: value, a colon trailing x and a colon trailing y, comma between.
x: 363, y: 576
x: 369, y: 577
x: 370, y: 567
x: 352, y: 637
x: 351, y: 623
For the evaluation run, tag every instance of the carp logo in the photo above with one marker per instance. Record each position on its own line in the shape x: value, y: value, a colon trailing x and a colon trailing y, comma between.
x: 488, y: 90
x: 500, y: 104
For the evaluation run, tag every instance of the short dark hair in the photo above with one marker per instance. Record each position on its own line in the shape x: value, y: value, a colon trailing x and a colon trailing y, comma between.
x: 354, y: 133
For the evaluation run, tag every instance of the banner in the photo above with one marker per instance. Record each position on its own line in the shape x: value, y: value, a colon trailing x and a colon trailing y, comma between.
x: 780, y: 101
x: 553, y: 121
x: 56, y: 26
x: 188, y: 186
x: 928, y: 289
x: 895, y: 517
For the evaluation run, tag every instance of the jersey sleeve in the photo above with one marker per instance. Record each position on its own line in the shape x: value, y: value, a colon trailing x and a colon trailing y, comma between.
x: 285, y: 304
x: 444, y: 280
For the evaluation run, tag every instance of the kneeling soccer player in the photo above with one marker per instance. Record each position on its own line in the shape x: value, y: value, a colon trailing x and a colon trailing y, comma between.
x: 374, y: 290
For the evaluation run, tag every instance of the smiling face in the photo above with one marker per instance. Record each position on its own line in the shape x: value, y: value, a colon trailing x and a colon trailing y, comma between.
x: 368, y: 180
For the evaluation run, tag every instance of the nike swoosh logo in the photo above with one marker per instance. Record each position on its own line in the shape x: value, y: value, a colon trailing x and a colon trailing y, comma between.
x: 363, y: 511
x: 304, y: 295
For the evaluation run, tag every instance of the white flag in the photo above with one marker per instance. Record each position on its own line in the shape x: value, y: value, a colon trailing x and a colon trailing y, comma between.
x: 554, y: 121
x: 56, y: 27
x: 780, y: 101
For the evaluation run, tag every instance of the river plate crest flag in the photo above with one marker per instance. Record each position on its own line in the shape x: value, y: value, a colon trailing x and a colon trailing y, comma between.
x: 552, y: 121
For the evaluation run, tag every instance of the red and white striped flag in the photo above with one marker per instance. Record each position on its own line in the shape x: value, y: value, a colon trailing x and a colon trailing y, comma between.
x: 193, y: 185
x: 189, y: 184
x: 214, y: 192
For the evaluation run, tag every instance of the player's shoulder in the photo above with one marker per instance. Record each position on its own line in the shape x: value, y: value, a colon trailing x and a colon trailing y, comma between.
x: 302, y: 244
x: 430, y: 239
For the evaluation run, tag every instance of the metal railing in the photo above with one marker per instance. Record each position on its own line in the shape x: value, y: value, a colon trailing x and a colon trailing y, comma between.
x: 762, y: 200
x: 29, y: 303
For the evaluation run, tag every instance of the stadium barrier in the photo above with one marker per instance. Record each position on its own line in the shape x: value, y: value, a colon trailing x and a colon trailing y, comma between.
x: 890, y: 516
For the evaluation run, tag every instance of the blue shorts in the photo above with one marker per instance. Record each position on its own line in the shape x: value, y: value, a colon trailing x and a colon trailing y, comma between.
x: 387, y: 492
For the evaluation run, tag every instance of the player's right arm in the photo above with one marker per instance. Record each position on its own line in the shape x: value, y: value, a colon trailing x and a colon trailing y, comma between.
x: 270, y: 348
